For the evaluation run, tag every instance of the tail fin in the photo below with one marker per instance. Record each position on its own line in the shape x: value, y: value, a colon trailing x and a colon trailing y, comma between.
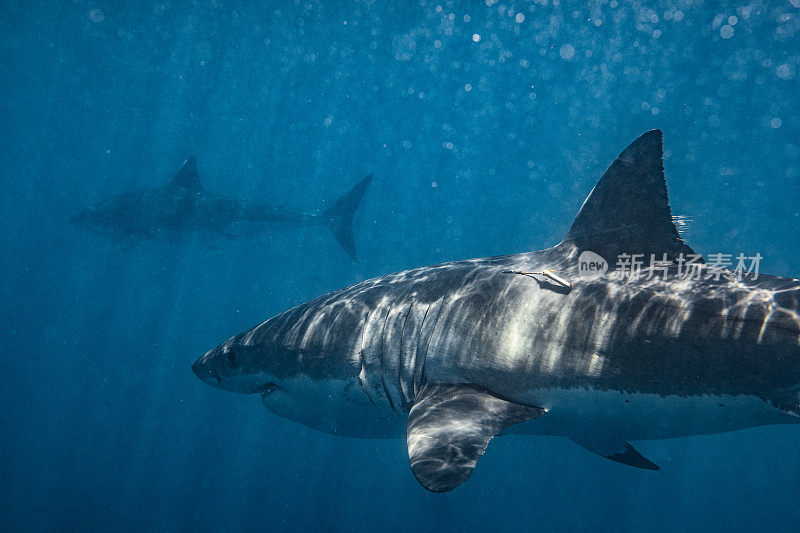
x: 339, y: 217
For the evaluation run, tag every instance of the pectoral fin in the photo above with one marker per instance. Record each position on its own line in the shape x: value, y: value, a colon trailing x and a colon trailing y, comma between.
x: 449, y: 428
x: 615, y: 449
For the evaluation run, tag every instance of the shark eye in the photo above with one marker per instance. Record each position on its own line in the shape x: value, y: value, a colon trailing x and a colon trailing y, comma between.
x: 231, y: 354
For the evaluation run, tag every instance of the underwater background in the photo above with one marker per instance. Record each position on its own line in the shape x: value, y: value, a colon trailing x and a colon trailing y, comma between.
x: 485, y: 124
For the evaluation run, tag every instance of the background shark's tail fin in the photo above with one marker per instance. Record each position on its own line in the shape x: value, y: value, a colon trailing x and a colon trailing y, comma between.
x: 339, y: 217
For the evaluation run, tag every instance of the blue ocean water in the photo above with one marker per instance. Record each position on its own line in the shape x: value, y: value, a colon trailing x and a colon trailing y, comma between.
x: 485, y: 125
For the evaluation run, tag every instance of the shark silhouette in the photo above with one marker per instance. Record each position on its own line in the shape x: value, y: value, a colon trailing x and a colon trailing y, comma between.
x: 451, y: 355
x: 182, y: 205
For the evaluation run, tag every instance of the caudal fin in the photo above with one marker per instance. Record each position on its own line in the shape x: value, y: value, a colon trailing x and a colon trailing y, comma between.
x: 339, y: 217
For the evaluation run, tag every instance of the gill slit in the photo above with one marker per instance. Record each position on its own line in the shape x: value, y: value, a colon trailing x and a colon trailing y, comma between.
x: 400, y: 366
x: 424, y: 374
x: 383, y: 379
x: 417, y: 352
x: 363, y: 365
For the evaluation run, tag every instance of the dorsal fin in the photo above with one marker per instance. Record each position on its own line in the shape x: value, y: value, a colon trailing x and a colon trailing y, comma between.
x: 187, y: 177
x: 628, y: 211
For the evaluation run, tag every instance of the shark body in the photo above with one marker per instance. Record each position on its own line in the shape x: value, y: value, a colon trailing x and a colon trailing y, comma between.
x: 451, y: 355
x: 183, y: 205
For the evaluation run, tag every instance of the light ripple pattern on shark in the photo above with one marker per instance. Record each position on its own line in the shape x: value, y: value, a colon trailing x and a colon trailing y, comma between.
x: 453, y: 354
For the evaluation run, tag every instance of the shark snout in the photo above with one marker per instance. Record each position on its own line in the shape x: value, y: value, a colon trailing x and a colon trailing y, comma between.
x: 205, y: 369
x: 236, y: 367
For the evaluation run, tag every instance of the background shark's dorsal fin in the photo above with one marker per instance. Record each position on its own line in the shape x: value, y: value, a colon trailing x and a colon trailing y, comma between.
x: 628, y: 211
x: 187, y: 177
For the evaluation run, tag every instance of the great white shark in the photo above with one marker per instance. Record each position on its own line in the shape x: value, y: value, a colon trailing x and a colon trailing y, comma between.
x: 451, y: 355
x: 183, y: 205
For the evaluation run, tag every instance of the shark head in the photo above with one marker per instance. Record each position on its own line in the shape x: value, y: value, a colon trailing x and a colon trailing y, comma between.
x: 241, y: 368
x: 298, y: 378
x: 114, y: 219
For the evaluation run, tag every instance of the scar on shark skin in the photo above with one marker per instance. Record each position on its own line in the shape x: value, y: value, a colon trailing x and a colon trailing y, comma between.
x: 559, y: 284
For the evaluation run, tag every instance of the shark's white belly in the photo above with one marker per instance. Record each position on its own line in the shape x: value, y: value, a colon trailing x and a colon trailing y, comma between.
x: 572, y: 412
x: 341, y: 408
x: 344, y: 408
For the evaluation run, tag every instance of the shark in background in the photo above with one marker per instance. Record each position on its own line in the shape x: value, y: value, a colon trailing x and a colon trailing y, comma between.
x: 182, y: 205
x: 451, y: 355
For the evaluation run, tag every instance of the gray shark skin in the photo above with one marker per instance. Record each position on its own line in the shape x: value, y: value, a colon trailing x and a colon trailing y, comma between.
x: 453, y: 354
x: 182, y: 205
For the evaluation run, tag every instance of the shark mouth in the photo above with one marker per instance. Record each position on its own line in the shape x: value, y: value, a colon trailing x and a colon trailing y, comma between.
x: 268, y: 388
